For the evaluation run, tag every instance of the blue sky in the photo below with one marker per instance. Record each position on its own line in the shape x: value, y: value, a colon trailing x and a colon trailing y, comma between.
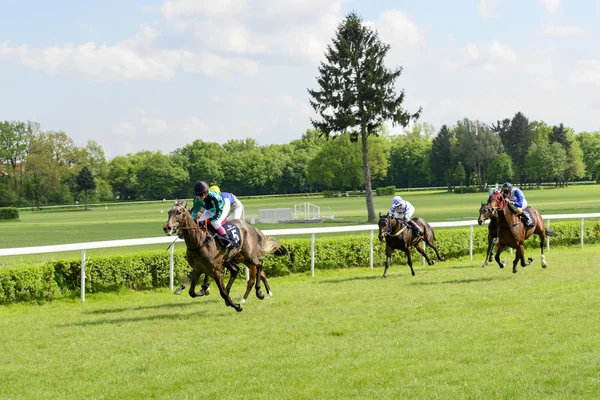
x: 156, y: 75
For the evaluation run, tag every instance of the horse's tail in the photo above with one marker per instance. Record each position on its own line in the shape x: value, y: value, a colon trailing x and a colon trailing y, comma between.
x: 549, y: 232
x: 269, y: 245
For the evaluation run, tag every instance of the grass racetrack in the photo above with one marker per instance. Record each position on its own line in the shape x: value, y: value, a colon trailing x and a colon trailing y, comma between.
x: 454, y: 330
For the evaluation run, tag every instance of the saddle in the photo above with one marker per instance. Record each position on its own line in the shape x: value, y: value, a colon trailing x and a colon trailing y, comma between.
x: 233, y: 232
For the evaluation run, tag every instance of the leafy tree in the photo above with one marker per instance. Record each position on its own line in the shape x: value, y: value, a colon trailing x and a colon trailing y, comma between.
x: 477, y: 146
x: 440, y: 161
x: 204, y: 161
x: 409, y: 161
x: 122, y: 177
x: 95, y: 159
x: 590, y: 146
x: 357, y: 92
x: 15, y: 139
x: 85, y: 183
x: 158, y: 177
x: 460, y: 175
x: 574, y: 167
x: 337, y: 166
x: 500, y: 170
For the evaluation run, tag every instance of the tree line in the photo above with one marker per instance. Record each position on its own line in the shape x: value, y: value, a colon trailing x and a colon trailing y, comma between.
x: 46, y: 167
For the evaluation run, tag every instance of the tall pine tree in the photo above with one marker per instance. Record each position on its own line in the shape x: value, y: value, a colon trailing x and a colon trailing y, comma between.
x: 85, y: 182
x: 357, y: 91
x: 441, y: 157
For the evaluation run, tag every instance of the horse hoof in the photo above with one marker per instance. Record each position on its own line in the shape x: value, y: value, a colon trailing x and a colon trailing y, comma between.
x: 515, y: 270
x: 544, y: 266
x: 177, y: 292
x: 201, y: 293
x: 431, y: 262
x: 484, y: 265
x: 529, y: 260
x: 260, y: 295
x: 383, y: 277
x: 413, y: 273
x: 207, y: 292
x: 239, y: 308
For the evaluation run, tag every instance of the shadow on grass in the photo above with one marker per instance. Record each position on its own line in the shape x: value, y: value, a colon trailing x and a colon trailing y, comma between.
x: 460, y: 281
x: 356, y: 278
x: 119, y: 321
x: 135, y: 308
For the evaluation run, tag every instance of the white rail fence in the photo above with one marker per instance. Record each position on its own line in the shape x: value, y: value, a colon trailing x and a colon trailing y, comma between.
x: 83, y: 247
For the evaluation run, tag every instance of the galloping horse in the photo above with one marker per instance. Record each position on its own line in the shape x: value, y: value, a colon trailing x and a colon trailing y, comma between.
x: 207, y: 255
x: 512, y: 232
x: 399, y: 236
x: 485, y: 212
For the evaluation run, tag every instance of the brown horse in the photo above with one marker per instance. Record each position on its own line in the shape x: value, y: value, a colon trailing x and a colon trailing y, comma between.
x: 398, y: 236
x: 512, y: 232
x: 485, y: 213
x: 206, y: 255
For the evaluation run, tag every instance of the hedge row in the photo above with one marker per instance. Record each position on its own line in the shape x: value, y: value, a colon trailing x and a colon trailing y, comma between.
x: 147, y: 270
x: 9, y: 213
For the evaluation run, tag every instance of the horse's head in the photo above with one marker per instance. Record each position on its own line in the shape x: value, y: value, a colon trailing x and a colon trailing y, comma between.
x: 175, y: 218
x: 383, y: 226
x: 496, y: 202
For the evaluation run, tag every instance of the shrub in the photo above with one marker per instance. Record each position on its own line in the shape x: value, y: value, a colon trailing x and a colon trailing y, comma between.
x: 386, y: 191
x: 9, y: 213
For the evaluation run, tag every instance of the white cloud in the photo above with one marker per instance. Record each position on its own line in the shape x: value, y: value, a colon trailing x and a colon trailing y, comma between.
x: 135, y: 58
x: 292, y: 30
x: 103, y: 63
x: 487, y: 9
x: 588, y: 71
x: 551, y: 6
x: 551, y: 29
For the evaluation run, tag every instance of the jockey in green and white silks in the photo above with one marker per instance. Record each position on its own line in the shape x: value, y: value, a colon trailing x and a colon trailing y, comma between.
x: 215, y: 209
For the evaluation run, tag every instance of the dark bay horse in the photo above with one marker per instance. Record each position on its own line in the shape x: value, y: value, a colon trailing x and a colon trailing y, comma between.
x: 512, y: 232
x: 398, y: 236
x: 208, y: 256
x: 485, y: 213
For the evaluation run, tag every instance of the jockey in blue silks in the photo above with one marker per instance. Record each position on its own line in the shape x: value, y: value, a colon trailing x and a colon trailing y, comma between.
x: 517, y: 199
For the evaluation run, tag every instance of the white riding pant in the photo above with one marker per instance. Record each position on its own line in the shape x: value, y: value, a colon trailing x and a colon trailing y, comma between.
x: 407, y: 214
x: 237, y: 211
x: 207, y: 214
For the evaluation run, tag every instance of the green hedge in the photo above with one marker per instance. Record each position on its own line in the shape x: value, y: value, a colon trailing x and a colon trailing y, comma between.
x: 9, y: 213
x: 386, y: 191
x: 148, y: 270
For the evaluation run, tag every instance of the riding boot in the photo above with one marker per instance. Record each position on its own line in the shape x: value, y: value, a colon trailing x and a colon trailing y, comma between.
x: 527, y: 220
x: 415, y: 227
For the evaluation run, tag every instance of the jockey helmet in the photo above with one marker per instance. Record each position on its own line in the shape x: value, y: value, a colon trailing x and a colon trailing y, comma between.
x: 200, y: 188
x: 507, y: 187
x: 215, y: 188
x: 396, y: 201
x: 493, y: 191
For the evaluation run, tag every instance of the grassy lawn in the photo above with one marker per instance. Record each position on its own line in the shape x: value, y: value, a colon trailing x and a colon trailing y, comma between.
x: 145, y: 220
x: 454, y: 330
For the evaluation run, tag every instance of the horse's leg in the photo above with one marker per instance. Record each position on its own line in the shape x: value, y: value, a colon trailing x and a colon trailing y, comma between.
x: 183, y: 285
x: 497, y: 257
x: 424, y: 253
x: 259, y: 293
x: 431, y: 243
x: 388, y: 259
x: 250, y: 283
x: 219, y: 281
x: 516, y: 260
x: 263, y: 278
x: 541, y: 231
x: 193, y: 281
x: 233, y: 272
x: 488, y: 255
x: 521, y: 252
x: 409, y: 260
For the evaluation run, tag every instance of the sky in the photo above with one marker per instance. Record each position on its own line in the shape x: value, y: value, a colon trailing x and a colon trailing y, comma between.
x: 156, y: 75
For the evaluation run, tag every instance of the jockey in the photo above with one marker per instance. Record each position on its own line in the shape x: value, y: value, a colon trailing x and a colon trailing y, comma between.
x: 237, y: 208
x: 405, y: 210
x: 215, y: 209
x: 517, y: 199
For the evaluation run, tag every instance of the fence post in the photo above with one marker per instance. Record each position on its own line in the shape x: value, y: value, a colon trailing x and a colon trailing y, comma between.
x: 548, y: 237
x: 471, y: 242
x: 312, y: 255
x: 371, y: 250
x: 582, y: 231
x: 82, y: 276
x: 171, y: 266
x: 425, y: 249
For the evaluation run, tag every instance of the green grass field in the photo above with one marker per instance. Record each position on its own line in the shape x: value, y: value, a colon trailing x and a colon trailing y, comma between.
x: 454, y: 331
x: 146, y: 220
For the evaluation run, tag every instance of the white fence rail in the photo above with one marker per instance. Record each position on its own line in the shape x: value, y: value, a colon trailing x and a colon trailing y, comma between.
x: 83, y: 247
